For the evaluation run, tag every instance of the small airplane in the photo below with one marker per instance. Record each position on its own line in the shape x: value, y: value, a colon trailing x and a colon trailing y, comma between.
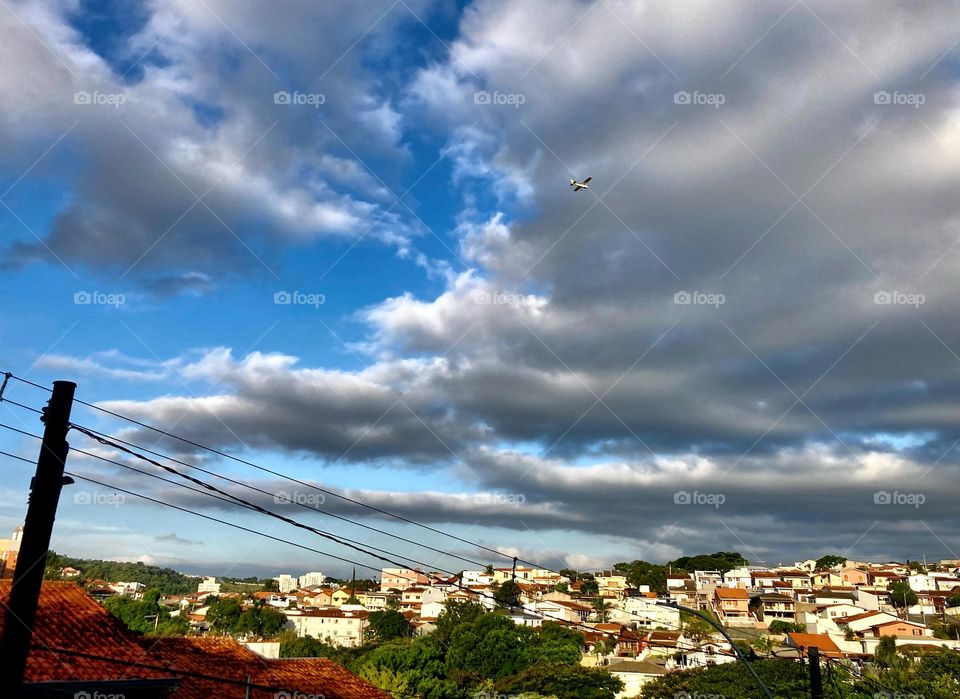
x: 577, y: 186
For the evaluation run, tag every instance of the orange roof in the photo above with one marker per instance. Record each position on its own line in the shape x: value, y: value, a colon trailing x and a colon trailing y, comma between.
x: 815, y: 640
x: 227, y: 659
x: 732, y: 593
x: 68, y: 618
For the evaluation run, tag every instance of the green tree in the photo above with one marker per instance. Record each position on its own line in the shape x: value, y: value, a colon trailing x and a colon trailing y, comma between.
x: 902, y: 596
x: 780, y: 626
x: 455, y: 613
x: 388, y: 624
x: 292, y: 646
x: 224, y: 614
x: 260, y: 620
x: 563, y: 682
x: 602, y: 609
x: 829, y: 561
x: 491, y: 647
x: 507, y: 594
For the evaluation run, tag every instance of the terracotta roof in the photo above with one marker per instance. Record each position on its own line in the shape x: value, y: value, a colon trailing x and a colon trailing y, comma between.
x: 816, y: 640
x: 230, y: 660
x: 67, y: 617
x: 732, y: 593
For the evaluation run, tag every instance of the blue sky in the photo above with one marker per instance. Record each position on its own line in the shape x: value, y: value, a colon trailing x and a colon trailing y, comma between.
x: 753, y: 299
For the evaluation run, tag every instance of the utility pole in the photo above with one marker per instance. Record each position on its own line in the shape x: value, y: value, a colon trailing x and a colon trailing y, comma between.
x: 816, y: 679
x: 37, y: 529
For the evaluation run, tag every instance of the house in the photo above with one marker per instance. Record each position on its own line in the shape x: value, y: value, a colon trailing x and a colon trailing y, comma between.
x: 732, y: 605
x: 560, y: 610
x: 9, y: 550
x: 71, y: 621
x: 208, y: 586
x: 221, y: 667
x: 770, y: 606
x: 898, y: 627
x: 803, y: 642
x: 706, y: 654
x: 795, y: 578
x: 635, y: 674
x: 337, y: 627
x: 854, y: 576
x: 401, y: 579
x: 647, y: 612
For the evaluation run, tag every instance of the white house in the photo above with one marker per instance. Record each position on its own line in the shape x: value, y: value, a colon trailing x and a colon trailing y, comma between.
x: 334, y: 626
x: 208, y: 586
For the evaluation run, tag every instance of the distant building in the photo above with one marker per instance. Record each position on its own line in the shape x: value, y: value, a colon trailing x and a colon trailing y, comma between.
x: 9, y: 550
x: 209, y: 586
x: 311, y: 580
x: 286, y: 583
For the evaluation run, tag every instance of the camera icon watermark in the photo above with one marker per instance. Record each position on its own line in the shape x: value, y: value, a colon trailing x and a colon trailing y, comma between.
x: 508, y: 499
x: 95, y: 497
x: 900, y: 99
x: 700, y: 99
x: 98, y: 298
x: 510, y: 99
x: 99, y: 99
x: 298, y: 298
x: 698, y: 298
x: 682, y: 497
x: 297, y: 497
x: 298, y: 695
x: 299, y: 99
x: 500, y: 298
x: 898, y: 298
x: 884, y: 497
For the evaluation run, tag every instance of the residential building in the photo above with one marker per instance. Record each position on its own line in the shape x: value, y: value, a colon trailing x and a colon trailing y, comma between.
x: 286, y: 583
x: 312, y: 579
x: 646, y: 612
x: 153, y: 668
x: 635, y: 674
x: 9, y: 550
x: 732, y: 605
x: 208, y: 586
x: 334, y: 626
x: 773, y: 606
x: 401, y: 579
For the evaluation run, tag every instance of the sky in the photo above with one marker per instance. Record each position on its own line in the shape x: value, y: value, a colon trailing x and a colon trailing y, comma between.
x: 338, y: 240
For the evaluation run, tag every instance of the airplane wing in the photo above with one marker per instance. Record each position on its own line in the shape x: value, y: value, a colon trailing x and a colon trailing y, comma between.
x: 586, y: 180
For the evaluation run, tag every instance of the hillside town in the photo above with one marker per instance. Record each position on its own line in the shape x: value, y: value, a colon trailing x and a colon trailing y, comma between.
x: 844, y: 608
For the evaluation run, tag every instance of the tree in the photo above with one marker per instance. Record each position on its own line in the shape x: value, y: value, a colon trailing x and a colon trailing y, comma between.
x: 224, y: 614
x: 562, y: 682
x: 721, y: 560
x: 507, y: 595
x: 262, y: 621
x: 455, y: 613
x: 588, y: 585
x: 902, y: 596
x: 388, y: 624
x: 641, y: 573
x: 697, y: 629
x: 292, y: 646
x: 602, y: 609
x: 829, y: 561
x: 781, y: 626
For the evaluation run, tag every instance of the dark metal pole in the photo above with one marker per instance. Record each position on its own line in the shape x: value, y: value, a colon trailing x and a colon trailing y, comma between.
x: 736, y: 649
x: 21, y: 607
x: 816, y: 680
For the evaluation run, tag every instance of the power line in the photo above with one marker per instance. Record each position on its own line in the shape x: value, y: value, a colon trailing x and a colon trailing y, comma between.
x: 274, y: 495
x: 277, y: 473
x: 246, y: 503
x: 84, y: 477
